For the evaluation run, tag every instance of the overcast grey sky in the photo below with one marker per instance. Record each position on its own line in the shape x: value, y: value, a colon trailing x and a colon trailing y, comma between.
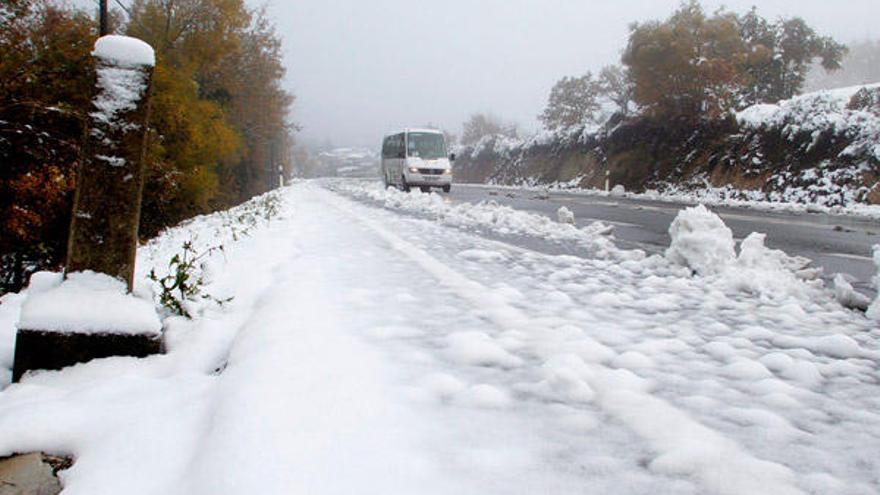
x: 362, y: 67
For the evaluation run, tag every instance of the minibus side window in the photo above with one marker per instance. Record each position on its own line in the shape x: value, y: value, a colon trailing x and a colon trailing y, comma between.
x: 400, y: 146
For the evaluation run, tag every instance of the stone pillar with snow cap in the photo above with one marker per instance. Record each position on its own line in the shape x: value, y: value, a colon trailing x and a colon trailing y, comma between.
x: 106, y: 212
x: 90, y: 312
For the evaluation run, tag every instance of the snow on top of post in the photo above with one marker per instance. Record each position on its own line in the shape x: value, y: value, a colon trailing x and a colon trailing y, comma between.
x: 124, y: 50
x: 87, y: 302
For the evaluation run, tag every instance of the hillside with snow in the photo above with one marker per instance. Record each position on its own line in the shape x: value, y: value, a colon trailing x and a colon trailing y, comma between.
x: 820, y: 149
x: 350, y: 162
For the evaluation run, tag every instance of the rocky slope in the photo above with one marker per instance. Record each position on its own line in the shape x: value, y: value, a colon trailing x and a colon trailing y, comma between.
x: 821, y: 148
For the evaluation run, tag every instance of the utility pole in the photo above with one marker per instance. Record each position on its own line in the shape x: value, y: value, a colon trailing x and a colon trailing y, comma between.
x: 103, y: 18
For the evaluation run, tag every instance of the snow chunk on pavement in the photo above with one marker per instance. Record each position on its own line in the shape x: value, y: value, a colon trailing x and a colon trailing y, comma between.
x: 768, y: 272
x: 632, y: 360
x: 124, y: 50
x: 746, y: 369
x: 87, y: 302
x: 700, y: 241
x: 477, y: 348
x: 838, y: 345
x: 564, y: 215
x: 443, y: 385
x: 482, y: 255
x: 484, y: 396
x: 564, y: 379
x: 847, y: 296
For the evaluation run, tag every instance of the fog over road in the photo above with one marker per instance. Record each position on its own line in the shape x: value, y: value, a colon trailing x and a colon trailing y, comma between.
x: 839, y: 244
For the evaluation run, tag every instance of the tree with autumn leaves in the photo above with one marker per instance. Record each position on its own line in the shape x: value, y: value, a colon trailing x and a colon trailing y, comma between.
x: 45, y: 80
x: 695, y: 66
x: 219, y: 116
x: 219, y: 113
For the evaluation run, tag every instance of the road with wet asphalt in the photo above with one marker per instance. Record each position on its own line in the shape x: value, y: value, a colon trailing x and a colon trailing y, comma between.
x: 837, y: 243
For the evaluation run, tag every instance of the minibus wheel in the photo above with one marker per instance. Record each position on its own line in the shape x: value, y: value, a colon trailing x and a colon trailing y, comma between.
x: 403, y: 185
x: 446, y: 189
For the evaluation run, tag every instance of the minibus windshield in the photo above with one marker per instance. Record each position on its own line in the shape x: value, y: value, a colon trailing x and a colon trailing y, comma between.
x: 425, y: 145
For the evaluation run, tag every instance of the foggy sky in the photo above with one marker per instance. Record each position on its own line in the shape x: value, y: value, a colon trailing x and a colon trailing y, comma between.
x: 360, y: 68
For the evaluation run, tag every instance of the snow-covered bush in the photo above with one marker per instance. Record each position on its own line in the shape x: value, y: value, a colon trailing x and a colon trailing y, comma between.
x: 185, y: 281
x: 700, y: 241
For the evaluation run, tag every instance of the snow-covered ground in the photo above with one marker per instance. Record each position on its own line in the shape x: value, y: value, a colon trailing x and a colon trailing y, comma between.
x: 369, y: 351
x: 351, y: 162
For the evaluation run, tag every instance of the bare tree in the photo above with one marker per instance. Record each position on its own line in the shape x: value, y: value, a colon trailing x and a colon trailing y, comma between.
x: 573, y: 101
x: 483, y: 124
x: 615, y: 86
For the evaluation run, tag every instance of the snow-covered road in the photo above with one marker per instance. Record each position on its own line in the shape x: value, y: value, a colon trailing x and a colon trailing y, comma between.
x: 372, y: 352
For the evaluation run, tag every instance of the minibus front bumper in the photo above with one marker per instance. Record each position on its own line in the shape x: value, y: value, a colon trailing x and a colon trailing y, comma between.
x: 428, y: 177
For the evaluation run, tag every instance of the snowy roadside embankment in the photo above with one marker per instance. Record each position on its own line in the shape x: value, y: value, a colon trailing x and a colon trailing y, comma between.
x: 367, y: 351
x: 852, y: 113
x: 815, y: 151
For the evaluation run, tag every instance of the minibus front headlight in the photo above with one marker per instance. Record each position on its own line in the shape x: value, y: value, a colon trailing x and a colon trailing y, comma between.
x: 447, y: 171
x: 413, y: 170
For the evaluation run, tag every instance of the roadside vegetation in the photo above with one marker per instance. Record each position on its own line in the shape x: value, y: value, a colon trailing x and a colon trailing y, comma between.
x: 219, y: 125
x: 706, y: 100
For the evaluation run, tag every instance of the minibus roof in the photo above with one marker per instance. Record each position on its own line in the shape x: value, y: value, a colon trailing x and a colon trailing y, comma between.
x: 408, y: 130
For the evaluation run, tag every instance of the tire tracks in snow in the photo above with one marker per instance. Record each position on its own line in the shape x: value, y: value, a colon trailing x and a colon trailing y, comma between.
x: 684, y: 446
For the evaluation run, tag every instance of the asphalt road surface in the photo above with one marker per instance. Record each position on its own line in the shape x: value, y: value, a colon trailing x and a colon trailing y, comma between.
x: 839, y: 244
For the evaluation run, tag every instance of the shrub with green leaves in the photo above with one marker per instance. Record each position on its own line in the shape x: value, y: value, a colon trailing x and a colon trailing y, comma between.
x: 184, y: 282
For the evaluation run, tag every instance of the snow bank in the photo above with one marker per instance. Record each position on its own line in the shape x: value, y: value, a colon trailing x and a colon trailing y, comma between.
x: 10, y: 307
x: 874, y: 309
x: 699, y: 191
x: 700, y: 241
x: 86, y: 302
x: 502, y: 220
x: 847, y: 295
x: 564, y: 215
x: 125, y: 51
x: 770, y: 273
